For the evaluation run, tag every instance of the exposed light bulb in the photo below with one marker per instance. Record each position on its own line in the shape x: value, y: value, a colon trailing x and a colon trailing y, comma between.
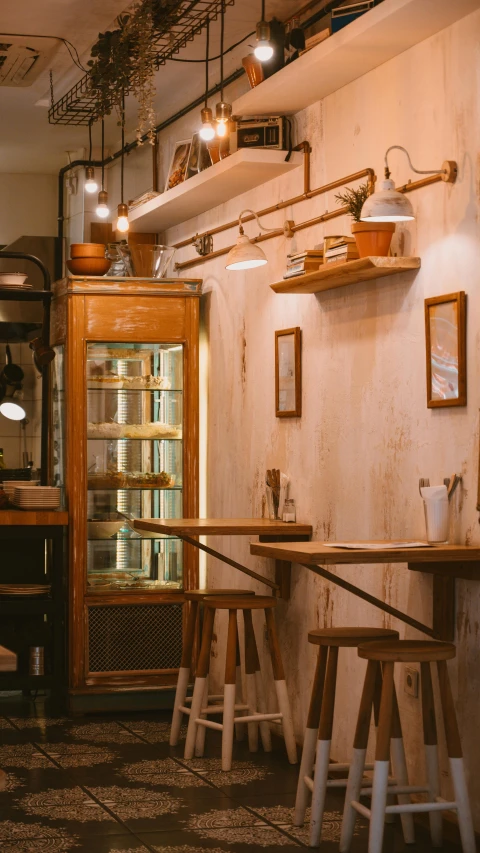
x: 91, y: 185
x: 102, y: 209
x: 207, y: 130
x: 122, y: 221
x: 221, y: 128
x: 12, y: 411
x: 263, y: 51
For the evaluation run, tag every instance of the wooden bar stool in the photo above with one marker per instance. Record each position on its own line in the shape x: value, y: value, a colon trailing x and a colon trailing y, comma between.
x: 254, y: 715
x: 318, y: 734
x: 388, y: 653
x: 181, y: 704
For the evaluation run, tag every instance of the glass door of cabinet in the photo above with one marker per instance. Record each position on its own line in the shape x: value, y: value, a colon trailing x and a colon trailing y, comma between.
x: 134, y: 464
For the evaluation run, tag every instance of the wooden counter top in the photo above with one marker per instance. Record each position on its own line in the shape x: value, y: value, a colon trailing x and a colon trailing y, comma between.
x: 222, y: 527
x: 313, y: 553
x: 29, y: 518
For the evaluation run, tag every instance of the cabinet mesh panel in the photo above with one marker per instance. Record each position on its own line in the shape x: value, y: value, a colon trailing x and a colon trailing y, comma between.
x: 134, y: 637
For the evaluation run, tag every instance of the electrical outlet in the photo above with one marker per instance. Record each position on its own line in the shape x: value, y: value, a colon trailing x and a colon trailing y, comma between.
x: 410, y: 681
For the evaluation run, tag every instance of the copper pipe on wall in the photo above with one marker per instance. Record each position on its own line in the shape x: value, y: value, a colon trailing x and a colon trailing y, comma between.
x: 307, y: 193
x: 325, y: 217
x: 155, y: 164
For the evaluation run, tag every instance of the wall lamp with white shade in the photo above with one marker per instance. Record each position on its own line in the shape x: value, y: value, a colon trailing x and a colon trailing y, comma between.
x: 11, y: 393
x: 390, y: 205
x: 246, y: 254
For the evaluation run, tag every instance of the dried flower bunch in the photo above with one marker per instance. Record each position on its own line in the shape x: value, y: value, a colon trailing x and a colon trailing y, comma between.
x: 124, y: 60
x: 354, y: 199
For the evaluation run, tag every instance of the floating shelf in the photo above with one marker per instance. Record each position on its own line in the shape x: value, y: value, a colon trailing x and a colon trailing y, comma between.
x: 377, y: 36
x: 242, y: 171
x: 330, y: 276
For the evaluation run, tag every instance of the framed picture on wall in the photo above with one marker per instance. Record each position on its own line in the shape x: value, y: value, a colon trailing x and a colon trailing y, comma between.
x: 445, y: 334
x: 288, y: 373
x: 178, y: 164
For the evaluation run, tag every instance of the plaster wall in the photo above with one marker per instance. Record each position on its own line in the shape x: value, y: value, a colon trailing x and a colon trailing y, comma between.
x: 28, y: 206
x: 366, y: 435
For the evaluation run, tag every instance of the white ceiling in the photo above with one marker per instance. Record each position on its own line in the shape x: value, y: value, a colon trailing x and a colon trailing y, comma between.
x: 28, y: 143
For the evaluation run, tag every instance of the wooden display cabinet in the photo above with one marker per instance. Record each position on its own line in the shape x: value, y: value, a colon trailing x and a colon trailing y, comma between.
x: 125, y: 445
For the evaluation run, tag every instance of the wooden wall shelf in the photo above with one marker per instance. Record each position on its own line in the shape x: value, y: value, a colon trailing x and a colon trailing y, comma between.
x: 242, y: 171
x: 330, y: 276
x: 386, y: 31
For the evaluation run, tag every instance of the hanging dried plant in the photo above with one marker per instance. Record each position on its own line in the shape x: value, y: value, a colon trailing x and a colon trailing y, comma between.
x: 124, y: 61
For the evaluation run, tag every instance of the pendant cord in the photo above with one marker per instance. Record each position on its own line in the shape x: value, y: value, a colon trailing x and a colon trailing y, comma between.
x: 263, y: 10
x: 222, y: 34
x: 123, y: 148
x: 206, y: 62
x: 90, y: 141
x: 103, y: 153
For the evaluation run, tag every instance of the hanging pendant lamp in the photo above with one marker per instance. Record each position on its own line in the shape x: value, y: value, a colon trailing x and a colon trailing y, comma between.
x: 263, y: 48
x: 207, y: 130
x: 122, y: 209
x: 102, y: 206
x: 223, y: 111
x: 91, y: 185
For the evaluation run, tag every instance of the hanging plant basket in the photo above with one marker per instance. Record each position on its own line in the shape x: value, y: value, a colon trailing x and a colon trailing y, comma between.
x: 124, y: 61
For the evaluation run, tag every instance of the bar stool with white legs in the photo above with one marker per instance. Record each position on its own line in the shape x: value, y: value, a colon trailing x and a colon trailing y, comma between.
x: 182, y: 703
x: 255, y: 707
x: 318, y: 734
x: 387, y: 653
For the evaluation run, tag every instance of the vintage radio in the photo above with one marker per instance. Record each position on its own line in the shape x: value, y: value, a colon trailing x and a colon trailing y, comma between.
x: 262, y: 133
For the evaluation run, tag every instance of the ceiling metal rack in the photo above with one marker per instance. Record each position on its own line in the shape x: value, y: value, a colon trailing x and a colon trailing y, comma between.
x: 79, y: 106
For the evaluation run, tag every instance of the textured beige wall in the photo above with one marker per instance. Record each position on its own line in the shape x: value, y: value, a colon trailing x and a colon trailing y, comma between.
x: 366, y: 435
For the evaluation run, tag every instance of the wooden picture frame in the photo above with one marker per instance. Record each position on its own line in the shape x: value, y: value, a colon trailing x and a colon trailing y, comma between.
x: 446, y: 350
x: 178, y: 164
x: 288, y: 373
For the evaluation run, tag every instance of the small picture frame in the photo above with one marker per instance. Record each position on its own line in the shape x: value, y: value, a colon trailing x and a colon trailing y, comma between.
x: 178, y: 164
x: 288, y: 373
x: 445, y: 336
x: 199, y: 157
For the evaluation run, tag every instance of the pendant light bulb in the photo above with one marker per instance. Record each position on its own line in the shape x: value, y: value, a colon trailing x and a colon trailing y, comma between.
x: 122, y: 221
x: 12, y: 411
x: 207, y: 130
x: 263, y: 48
x: 103, y: 209
x: 223, y: 114
x: 91, y: 185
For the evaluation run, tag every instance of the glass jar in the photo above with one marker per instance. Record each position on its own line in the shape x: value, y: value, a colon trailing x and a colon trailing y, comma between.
x: 289, y: 511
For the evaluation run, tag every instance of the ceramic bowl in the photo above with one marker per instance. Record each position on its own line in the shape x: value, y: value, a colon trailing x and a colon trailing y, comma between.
x: 12, y: 277
x: 89, y: 266
x: 87, y: 250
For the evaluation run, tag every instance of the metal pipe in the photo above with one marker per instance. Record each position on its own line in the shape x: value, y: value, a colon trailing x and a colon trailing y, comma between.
x: 196, y: 544
x: 324, y: 217
x: 364, y: 173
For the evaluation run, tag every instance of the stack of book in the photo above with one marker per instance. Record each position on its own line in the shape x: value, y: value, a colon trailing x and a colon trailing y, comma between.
x: 343, y: 249
x: 303, y: 262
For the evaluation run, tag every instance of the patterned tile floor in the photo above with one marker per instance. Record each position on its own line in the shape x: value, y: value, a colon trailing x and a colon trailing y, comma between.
x: 114, y: 785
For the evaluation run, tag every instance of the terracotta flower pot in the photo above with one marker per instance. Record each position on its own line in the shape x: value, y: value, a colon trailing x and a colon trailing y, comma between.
x: 373, y: 238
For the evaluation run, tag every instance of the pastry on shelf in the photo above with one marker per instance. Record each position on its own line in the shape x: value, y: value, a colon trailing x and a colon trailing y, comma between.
x: 111, y: 429
x: 112, y: 381
x: 130, y: 480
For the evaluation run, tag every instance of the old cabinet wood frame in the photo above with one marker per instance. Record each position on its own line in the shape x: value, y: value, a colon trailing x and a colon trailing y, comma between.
x: 89, y: 310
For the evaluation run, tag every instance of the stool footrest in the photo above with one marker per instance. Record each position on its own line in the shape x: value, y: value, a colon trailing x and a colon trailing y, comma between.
x: 406, y: 808
x: 209, y: 724
x: 398, y: 789
x: 258, y: 718
x: 219, y: 709
x: 183, y: 709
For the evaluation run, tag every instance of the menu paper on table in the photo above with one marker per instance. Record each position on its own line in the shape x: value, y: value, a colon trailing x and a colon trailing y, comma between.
x: 377, y: 546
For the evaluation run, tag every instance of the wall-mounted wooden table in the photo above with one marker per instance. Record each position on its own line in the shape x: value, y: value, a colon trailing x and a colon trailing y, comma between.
x: 444, y: 562
x: 266, y: 530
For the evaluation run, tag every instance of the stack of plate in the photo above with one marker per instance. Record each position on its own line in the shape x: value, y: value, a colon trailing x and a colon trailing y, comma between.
x: 24, y: 588
x: 9, y: 486
x: 36, y: 497
x: 14, y: 281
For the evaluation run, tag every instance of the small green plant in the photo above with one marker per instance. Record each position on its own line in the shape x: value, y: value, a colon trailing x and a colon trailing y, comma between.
x: 354, y: 200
